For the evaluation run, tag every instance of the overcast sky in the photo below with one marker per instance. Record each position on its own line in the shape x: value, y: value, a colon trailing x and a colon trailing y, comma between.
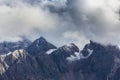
x: 61, y: 21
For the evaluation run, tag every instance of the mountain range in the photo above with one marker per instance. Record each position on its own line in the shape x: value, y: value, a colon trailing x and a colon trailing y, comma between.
x: 41, y: 60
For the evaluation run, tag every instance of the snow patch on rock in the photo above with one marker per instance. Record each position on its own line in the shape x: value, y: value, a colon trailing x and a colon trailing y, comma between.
x: 74, y: 57
x: 85, y: 57
x: 78, y: 55
x: 2, y: 57
x: 50, y: 51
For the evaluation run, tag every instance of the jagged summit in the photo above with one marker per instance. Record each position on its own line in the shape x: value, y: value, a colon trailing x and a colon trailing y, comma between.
x: 71, y: 48
x: 43, y: 61
x: 40, y: 45
x: 40, y: 40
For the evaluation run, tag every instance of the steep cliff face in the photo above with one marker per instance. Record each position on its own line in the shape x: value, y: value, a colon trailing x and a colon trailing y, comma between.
x: 94, y: 62
x: 18, y: 65
x: 100, y: 62
x: 39, y: 46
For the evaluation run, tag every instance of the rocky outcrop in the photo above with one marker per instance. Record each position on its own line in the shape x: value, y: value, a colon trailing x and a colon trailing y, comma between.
x: 40, y: 46
x: 18, y: 65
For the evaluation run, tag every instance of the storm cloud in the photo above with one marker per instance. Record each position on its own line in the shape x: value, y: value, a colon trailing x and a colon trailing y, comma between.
x: 61, y: 21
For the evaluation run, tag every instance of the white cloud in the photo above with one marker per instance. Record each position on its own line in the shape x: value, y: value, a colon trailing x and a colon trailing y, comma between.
x: 99, y: 19
x: 80, y: 21
x: 76, y: 37
x: 20, y: 19
x: 55, y: 3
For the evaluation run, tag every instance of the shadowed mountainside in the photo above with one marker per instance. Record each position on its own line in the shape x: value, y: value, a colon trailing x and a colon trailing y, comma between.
x: 42, y: 60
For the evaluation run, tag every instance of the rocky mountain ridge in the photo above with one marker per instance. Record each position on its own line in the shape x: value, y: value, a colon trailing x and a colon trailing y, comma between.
x: 94, y: 62
x: 7, y: 46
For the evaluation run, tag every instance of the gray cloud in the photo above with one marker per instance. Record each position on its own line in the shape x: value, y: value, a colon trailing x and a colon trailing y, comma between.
x: 61, y: 21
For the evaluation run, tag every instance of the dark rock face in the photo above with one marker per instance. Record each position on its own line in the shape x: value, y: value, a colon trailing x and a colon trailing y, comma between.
x: 18, y: 65
x: 48, y: 68
x: 39, y: 46
x: 98, y: 62
x: 61, y: 54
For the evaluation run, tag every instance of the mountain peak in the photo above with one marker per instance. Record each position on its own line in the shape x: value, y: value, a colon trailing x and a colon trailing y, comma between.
x: 98, y: 61
x: 42, y: 39
x: 94, y: 43
x: 40, y: 45
x: 91, y: 41
x: 70, y: 47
